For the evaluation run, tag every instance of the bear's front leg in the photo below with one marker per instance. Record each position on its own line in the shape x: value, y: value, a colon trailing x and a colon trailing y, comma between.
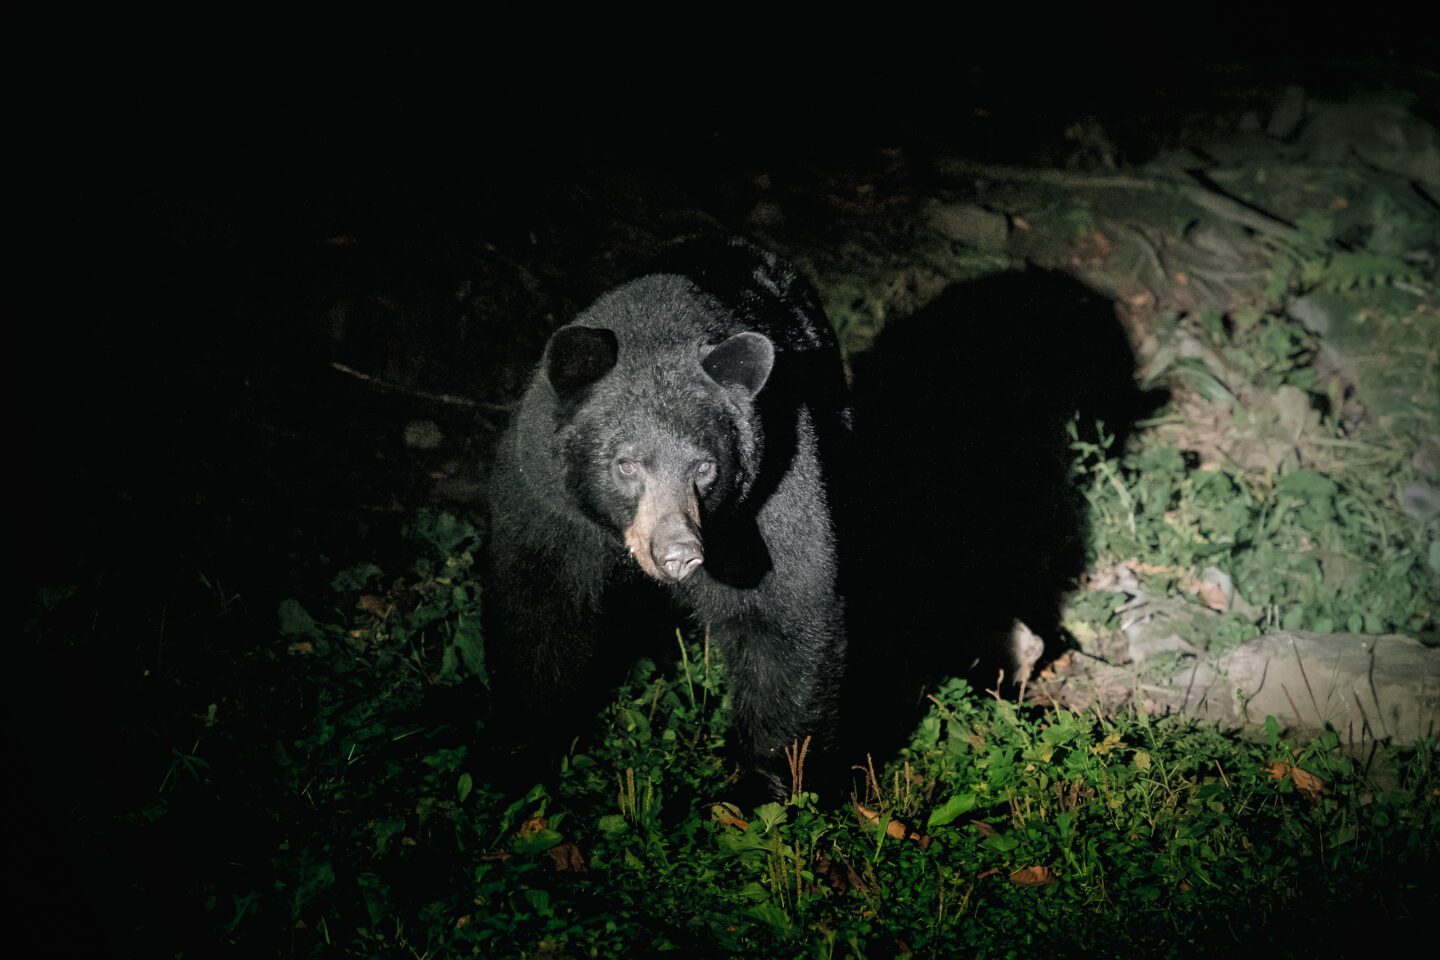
x: 784, y: 682
x: 542, y: 615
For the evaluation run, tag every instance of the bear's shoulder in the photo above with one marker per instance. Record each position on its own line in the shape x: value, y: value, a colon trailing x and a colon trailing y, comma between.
x: 755, y: 289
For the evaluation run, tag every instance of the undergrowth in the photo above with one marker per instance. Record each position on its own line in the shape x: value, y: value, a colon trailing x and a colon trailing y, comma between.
x: 1001, y: 830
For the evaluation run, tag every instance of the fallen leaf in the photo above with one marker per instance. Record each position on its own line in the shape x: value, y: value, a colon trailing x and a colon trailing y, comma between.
x: 531, y: 827
x: 728, y: 814
x: 984, y: 829
x: 1032, y: 876
x: 377, y: 607
x: 839, y: 877
x: 894, y: 828
x: 1058, y: 664
x: 987, y: 873
x: 566, y: 857
x: 1307, y: 783
x: 1212, y: 595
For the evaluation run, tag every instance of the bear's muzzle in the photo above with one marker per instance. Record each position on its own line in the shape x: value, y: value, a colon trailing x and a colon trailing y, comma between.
x: 664, y: 537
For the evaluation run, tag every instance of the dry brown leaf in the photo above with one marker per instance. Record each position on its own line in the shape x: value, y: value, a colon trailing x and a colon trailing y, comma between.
x: 987, y: 873
x: 1211, y: 594
x: 1309, y: 785
x: 301, y: 647
x: 839, y: 877
x: 728, y: 814
x: 1032, y: 876
x: 377, y: 607
x: 531, y: 827
x: 1058, y: 664
x: 566, y: 857
x: 894, y: 828
x: 1136, y: 566
x: 984, y: 829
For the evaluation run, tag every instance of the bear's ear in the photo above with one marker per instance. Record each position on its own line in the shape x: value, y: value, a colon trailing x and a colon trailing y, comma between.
x: 745, y: 360
x: 578, y: 356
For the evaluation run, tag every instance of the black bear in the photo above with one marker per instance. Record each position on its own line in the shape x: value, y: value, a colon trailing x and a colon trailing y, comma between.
x: 684, y: 430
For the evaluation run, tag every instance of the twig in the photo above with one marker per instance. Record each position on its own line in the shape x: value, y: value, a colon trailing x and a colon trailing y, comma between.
x: 445, y: 398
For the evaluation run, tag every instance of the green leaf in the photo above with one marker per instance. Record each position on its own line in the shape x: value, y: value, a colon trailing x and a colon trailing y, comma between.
x: 464, y: 786
x: 772, y: 915
x: 353, y: 579
x: 295, y: 621
x: 952, y: 808
x: 770, y: 815
x: 539, y: 902
x: 542, y: 839
x: 1307, y: 485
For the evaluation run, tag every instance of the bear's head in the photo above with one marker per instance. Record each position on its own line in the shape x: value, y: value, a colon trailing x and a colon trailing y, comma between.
x: 658, y: 436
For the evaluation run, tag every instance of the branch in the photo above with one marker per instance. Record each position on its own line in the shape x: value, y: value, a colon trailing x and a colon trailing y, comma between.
x: 445, y: 398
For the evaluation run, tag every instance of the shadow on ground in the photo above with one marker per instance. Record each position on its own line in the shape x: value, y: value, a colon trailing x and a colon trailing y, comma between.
x: 965, y: 516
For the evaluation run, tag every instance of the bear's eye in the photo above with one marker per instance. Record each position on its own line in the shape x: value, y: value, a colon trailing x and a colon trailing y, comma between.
x: 627, y: 467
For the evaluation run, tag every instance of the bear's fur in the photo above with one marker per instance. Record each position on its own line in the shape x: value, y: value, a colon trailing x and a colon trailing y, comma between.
x: 685, y: 430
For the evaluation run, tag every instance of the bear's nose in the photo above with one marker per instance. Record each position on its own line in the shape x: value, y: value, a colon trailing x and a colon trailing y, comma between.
x: 681, y: 559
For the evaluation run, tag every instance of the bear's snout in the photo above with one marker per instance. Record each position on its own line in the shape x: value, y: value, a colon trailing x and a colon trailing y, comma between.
x: 664, y: 536
x: 681, y: 558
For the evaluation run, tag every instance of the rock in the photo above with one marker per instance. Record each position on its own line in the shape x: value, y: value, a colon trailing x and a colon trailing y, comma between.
x: 1316, y: 311
x: 1365, y: 687
x: 1143, y: 650
x: 1293, y: 411
x: 1420, y: 500
x: 1288, y: 113
x: 971, y: 225
x: 1381, y: 132
x: 1426, y: 460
